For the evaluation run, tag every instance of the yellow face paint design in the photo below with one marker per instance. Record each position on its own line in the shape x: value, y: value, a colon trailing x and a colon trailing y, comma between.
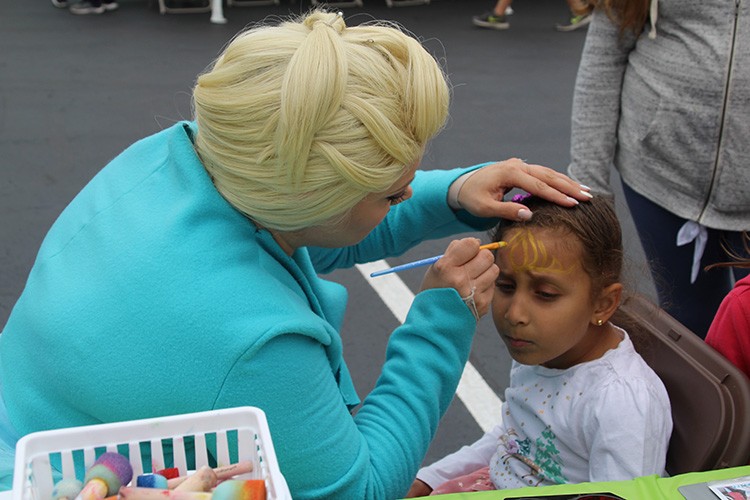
x: 527, y: 253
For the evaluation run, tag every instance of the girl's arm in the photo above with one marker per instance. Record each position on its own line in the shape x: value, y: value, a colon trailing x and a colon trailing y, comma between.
x: 596, y: 102
x: 464, y: 461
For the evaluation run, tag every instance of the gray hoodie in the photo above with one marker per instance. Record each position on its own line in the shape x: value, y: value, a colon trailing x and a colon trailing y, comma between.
x: 670, y: 109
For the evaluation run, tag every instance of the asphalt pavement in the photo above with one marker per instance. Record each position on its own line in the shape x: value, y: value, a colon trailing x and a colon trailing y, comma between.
x: 76, y: 90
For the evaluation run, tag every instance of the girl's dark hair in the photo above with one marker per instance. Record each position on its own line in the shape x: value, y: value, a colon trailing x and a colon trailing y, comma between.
x: 593, y: 222
x: 738, y: 259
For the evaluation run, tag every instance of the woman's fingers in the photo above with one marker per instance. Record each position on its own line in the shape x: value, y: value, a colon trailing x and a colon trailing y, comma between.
x: 549, y: 184
x: 482, y: 193
x: 483, y: 283
x: 471, y: 271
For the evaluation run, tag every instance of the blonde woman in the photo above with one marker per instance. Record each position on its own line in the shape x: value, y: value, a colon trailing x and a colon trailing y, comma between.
x: 184, y: 276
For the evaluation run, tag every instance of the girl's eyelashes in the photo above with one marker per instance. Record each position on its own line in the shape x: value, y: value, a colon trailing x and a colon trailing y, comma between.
x: 547, y: 295
x: 505, y: 286
x: 508, y: 287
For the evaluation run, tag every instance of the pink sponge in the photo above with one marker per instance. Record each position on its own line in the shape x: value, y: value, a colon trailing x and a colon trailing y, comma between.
x: 106, y: 475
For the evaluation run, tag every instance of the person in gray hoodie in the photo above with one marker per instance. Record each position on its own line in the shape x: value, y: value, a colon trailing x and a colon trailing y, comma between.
x: 663, y: 95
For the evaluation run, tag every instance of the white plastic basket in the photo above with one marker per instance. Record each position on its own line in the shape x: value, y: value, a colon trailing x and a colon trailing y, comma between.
x: 214, y: 433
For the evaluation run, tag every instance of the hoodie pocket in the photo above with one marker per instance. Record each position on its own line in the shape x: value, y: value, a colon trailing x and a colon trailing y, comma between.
x: 673, y: 138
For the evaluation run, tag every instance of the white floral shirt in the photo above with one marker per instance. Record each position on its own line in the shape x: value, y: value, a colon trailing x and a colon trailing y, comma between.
x: 603, y: 420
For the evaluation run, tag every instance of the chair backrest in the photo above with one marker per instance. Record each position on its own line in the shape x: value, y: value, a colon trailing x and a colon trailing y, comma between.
x: 710, y: 397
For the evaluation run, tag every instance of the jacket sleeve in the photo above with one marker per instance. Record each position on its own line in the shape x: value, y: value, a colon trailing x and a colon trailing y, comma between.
x: 729, y: 332
x: 596, y: 103
x: 324, y: 451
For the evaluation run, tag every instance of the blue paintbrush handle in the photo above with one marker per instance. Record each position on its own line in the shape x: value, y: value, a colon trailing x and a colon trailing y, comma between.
x: 429, y: 260
x: 410, y: 265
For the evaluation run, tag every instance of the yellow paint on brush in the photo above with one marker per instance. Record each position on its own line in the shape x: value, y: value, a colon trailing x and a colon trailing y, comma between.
x: 494, y: 246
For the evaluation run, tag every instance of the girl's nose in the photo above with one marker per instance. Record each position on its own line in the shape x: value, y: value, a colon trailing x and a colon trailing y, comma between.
x: 516, y: 312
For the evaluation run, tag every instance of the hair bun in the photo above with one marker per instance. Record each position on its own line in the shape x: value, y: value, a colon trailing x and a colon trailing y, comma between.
x: 333, y: 20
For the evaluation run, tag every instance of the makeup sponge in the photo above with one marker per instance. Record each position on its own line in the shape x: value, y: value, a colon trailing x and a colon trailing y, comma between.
x: 151, y: 481
x: 67, y: 489
x: 106, y: 476
x: 235, y: 489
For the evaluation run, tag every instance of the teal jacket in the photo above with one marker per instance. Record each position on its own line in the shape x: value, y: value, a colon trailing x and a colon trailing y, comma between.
x: 152, y: 296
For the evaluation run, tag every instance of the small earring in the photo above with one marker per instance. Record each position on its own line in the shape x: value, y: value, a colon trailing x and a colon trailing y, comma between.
x: 599, y: 322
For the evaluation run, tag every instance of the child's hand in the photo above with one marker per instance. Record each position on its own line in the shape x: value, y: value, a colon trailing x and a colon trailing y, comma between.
x: 418, y: 489
x: 482, y: 193
x: 468, y: 270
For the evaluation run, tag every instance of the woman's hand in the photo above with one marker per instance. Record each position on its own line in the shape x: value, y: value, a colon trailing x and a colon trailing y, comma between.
x: 468, y: 269
x: 418, y: 489
x: 482, y: 193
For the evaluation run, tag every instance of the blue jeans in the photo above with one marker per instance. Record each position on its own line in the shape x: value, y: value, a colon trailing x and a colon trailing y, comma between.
x: 692, y: 304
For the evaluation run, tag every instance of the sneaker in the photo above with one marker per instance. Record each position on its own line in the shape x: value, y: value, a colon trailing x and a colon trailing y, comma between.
x: 187, y: 4
x: 575, y: 23
x: 86, y: 7
x: 491, y: 20
x: 60, y: 4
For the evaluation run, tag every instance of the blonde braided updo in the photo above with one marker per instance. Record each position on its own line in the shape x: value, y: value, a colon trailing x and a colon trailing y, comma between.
x: 299, y: 122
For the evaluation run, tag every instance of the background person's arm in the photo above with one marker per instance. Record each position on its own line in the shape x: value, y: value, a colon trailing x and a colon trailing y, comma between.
x: 596, y: 103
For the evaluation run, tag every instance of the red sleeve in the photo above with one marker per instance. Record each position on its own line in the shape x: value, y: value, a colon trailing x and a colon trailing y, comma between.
x: 730, y: 330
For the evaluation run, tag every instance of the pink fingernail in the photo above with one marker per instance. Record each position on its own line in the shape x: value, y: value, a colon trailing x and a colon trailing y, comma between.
x: 524, y: 214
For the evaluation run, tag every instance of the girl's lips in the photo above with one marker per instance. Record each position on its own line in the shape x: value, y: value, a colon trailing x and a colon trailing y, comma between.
x: 513, y: 342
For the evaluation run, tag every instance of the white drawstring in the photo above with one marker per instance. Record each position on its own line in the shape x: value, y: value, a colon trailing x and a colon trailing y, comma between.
x: 653, y: 15
x: 692, y: 231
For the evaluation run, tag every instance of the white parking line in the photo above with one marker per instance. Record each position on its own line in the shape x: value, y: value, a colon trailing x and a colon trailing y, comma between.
x: 478, y: 397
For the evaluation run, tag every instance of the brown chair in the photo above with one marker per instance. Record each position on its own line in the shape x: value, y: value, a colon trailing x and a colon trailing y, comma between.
x: 710, y: 397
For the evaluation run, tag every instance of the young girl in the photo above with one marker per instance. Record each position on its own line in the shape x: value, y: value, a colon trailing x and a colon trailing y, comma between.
x: 582, y: 404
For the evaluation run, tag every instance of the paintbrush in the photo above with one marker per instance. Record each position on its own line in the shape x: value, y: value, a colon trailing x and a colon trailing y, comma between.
x: 430, y: 260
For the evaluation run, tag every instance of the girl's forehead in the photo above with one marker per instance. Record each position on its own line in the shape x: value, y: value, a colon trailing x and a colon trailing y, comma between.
x: 537, y: 249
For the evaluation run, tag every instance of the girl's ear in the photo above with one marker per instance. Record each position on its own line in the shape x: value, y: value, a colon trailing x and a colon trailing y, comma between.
x: 606, y: 304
